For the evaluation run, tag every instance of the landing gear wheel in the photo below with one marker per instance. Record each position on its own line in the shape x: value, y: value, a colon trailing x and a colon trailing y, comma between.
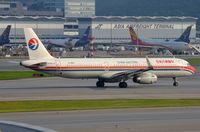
x: 100, y: 84
x: 175, y: 84
x: 123, y: 85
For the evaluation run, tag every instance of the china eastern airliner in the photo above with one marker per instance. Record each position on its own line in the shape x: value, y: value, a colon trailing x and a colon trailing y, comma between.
x: 105, y: 70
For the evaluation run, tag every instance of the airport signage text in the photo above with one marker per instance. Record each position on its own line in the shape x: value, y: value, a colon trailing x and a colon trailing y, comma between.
x: 134, y: 26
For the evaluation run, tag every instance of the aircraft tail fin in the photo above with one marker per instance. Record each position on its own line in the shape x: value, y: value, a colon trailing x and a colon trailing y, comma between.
x: 134, y: 37
x: 185, y: 36
x: 36, y: 49
x: 5, y: 35
x: 85, y: 36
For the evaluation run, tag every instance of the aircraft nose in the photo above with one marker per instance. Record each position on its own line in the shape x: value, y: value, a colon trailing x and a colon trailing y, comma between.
x: 193, y: 69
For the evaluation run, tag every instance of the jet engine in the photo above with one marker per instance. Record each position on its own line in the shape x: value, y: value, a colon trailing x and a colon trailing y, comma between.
x: 145, y: 78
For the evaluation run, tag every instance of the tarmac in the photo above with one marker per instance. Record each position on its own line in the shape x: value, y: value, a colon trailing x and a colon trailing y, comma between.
x: 12, y: 65
x: 185, y: 119
x: 8, y: 126
x: 55, y: 88
x: 115, y: 120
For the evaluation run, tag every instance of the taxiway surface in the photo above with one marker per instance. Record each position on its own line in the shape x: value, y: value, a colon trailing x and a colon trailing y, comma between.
x: 11, y: 65
x: 120, y: 120
x: 72, y: 89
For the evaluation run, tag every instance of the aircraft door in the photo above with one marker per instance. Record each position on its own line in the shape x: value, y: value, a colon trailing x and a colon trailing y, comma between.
x: 106, y: 66
x: 58, y: 67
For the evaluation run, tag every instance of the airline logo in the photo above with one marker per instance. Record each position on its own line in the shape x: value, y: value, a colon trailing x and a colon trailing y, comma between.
x: 133, y: 34
x: 165, y: 61
x: 33, y: 44
x: 134, y: 37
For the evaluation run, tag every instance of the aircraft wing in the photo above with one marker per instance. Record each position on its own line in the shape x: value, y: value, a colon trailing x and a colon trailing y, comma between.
x: 125, y: 75
x: 128, y: 74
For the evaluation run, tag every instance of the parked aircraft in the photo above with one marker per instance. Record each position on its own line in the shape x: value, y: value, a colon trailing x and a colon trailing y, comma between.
x: 178, y: 45
x: 106, y: 70
x: 4, y: 38
x: 71, y: 43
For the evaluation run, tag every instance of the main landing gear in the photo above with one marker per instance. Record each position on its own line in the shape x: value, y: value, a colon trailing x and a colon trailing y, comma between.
x: 101, y: 84
x: 123, y: 85
x: 175, y: 84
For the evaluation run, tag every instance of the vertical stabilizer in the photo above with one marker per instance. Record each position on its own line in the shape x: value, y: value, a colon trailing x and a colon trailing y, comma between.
x: 185, y: 36
x: 85, y: 36
x: 36, y: 49
x: 4, y: 38
x: 85, y: 39
x: 134, y: 37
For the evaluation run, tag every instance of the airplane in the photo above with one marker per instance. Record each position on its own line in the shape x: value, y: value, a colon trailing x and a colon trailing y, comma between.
x: 106, y: 70
x: 177, y: 45
x: 71, y: 43
x: 4, y: 38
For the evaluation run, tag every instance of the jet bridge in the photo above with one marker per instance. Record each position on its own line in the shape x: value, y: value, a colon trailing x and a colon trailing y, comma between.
x: 195, y: 48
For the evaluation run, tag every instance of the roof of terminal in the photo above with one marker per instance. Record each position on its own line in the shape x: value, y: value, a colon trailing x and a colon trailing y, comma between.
x: 141, y: 18
x: 137, y: 18
x: 31, y: 18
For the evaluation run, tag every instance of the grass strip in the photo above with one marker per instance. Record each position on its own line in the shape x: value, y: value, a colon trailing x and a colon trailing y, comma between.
x: 11, y: 75
x: 36, y: 106
x: 194, y: 61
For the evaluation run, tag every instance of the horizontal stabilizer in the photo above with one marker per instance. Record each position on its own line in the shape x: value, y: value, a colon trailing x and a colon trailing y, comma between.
x: 29, y: 63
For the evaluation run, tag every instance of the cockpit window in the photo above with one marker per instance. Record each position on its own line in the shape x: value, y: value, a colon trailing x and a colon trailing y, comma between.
x: 188, y: 64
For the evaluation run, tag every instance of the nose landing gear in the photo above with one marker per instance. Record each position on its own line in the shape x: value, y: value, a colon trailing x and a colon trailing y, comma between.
x: 100, y: 84
x: 175, y: 84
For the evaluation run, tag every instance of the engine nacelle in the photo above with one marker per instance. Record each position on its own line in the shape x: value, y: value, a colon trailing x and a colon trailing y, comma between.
x: 146, y: 78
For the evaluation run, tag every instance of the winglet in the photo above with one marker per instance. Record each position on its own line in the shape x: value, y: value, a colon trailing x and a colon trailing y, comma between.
x: 150, y: 66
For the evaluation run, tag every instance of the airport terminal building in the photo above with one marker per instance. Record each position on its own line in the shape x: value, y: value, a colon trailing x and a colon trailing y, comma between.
x: 113, y: 29
x: 45, y: 27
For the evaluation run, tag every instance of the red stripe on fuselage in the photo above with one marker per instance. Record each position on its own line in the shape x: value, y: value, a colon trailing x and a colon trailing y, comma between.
x: 190, y: 68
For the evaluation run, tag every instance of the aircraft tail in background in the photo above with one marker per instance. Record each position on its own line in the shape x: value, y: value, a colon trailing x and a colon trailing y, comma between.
x: 85, y: 39
x: 134, y: 37
x: 85, y: 36
x: 185, y: 36
x: 4, y: 38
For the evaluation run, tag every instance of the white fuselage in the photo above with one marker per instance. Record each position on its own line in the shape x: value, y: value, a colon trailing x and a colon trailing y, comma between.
x: 171, y: 44
x: 65, y: 43
x: 140, y: 70
x: 106, y: 67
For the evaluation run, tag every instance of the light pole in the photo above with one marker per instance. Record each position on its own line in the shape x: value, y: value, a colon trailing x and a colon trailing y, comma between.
x: 15, y: 17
